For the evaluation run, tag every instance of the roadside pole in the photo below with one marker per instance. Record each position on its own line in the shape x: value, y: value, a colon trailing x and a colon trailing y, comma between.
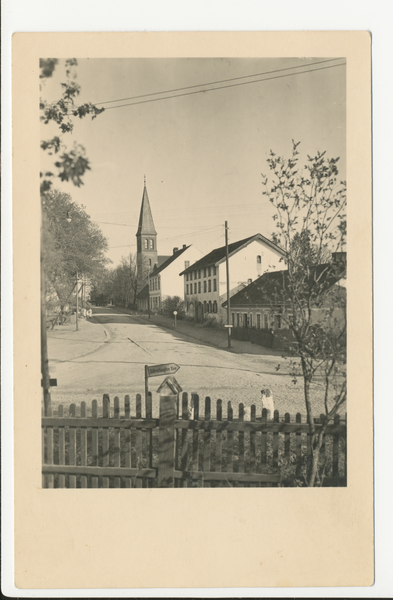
x: 228, y: 298
x: 77, y: 293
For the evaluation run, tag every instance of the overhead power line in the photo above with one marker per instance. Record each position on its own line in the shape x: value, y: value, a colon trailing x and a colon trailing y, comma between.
x: 224, y: 87
x: 189, y: 87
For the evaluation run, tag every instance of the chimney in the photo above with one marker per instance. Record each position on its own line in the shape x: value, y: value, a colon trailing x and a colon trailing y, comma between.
x: 184, y: 246
x: 175, y: 250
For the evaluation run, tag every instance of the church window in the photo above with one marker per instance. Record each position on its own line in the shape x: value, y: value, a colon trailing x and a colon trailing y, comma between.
x: 199, y: 287
x: 151, y: 244
x: 204, y: 287
x: 214, y: 285
x: 209, y: 285
x: 145, y: 244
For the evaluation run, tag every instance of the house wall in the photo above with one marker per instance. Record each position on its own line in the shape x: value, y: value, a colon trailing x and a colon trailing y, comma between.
x: 243, y: 267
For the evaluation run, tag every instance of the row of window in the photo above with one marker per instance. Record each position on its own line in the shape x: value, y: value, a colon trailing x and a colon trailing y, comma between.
x: 148, y: 244
x: 197, y: 274
x: 207, y: 287
x: 154, y: 283
x: 208, y: 307
x: 265, y: 321
x: 155, y: 302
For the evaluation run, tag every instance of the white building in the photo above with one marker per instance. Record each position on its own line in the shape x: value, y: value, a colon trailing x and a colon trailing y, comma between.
x: 165, y: 280
x: 205, y: 281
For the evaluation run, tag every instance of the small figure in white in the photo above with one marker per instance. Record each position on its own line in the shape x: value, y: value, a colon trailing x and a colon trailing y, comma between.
x: 89, y: 313
x: 267, y: 402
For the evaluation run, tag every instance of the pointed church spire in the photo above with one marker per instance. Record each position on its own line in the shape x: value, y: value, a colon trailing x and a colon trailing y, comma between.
x: 146, y: 223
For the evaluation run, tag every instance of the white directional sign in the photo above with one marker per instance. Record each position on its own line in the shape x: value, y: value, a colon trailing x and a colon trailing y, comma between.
x: 158, y: 370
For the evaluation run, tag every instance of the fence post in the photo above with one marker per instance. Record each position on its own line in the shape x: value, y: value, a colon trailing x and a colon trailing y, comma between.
x: 166, y: 436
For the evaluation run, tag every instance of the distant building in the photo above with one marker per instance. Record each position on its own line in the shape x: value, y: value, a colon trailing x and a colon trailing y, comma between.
x: 164, y: 279
x: 205, y: 282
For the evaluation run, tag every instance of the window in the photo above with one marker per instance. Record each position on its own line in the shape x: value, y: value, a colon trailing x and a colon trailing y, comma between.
x: 278, y: 321
x: 151, y: 244
x: 238, y: 319
x: 265, y: 322
x: 204, y: 272
x: 199, y: 287
x: 249, y: 281
x: 214, y: 285
x: 233, y: 319
x: 199, y: 273
x: 195, y: 288
x: 209, y: 285
x: 186, y: 264
x: 210, y: 306
x: 209, y: 271
x: 258, y: 321
x: 205, y: 306
x: 149, y: 262
x: 159, y: 284
x: 204, y: 287
x: 259, y: 260
x: 214, y: 306
x: 214, y: 270
x: 187, y: 289
x: 145, y: 244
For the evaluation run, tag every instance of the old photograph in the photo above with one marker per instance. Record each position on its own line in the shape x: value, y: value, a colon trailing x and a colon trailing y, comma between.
x: 193, y: 272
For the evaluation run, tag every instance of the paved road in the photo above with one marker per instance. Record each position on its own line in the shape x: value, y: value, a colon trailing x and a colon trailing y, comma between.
x: 116, y: 366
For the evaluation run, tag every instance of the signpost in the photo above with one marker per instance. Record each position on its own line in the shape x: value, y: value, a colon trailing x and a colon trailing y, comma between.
x: 157, y: 371
x: 175, y: 313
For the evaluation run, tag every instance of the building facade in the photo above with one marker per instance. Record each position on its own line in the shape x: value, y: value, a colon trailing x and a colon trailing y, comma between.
x: 205, y: 282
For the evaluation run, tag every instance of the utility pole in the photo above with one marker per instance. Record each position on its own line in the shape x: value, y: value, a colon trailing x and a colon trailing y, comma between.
x: 77, y: 294
x: 228, y: 298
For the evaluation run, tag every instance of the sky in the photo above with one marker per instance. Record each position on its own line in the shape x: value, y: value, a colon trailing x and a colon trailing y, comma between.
x: 202, y: 153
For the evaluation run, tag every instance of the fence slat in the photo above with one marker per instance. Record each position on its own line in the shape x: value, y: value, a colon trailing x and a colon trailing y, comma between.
x: 49, y: 450
x: 252, y: 440
x: 61, y: 434
x: 166, y: 435
x: 138, y: 437
x: 72, y: 454
x: 195, y: 433
x: 127, y: 440
x: 263, y: 441
x: 322, y: 454
x: 241, y: 439
x: 184, y: 436
x: 206, y: 439
x: 149, y: 432
x: 336, y: 442
x: 275, y: 442
x: 105, y: 438
x: 298, y: 447
x: 83, y: 433
x: 217, y: 458
x: 116, y: 440
x: 94, y: 443
x: 230, y: 441
x: 287, y: 439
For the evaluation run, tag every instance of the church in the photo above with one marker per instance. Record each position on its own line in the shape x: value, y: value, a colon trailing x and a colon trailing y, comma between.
x: 158, y: 275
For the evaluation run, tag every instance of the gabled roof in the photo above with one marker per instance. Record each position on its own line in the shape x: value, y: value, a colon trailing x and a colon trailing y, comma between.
x: 218, y: 255
x: 272, y: 287
x: 146, y: 223
x: 157, y: 269
x: 144, y: 293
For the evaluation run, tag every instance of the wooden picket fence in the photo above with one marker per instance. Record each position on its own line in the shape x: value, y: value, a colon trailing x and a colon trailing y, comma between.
x: 180, y: 448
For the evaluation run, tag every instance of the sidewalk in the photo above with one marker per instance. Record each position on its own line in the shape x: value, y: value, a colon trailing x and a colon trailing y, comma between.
x: 208, y: 335
x: 89, y: 337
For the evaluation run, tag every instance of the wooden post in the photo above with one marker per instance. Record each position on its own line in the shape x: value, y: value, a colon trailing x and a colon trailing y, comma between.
x: 166, y: 436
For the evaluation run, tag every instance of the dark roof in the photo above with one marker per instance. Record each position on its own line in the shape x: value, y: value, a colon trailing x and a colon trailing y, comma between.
x: 167, y: 262
x: 273, y: 286
x: 146, y: 223
x: 162, y: 259
x: 144, y: 293
x: 217, y: 255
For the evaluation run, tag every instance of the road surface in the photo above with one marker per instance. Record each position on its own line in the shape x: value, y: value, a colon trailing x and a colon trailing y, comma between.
x: 116, y: 367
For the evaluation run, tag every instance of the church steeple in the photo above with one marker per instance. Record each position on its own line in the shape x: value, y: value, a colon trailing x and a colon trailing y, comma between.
x: 146, y: 237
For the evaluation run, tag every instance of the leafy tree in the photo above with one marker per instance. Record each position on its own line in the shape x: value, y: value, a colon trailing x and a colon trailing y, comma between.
x: 310, y: 216
x: 72, y: 244
x: 125, y: 281
x: 72, y: 164
x: 172, y: 303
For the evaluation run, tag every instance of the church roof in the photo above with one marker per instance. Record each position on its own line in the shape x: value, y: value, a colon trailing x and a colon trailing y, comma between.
x: 218, y: 255
x: 146, y: 223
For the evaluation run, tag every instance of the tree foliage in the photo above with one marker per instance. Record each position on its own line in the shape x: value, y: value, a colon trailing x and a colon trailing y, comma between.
x: 70, y: 164
x: 310, y: 217
x: 71, y: 243
x: 172, y: 303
